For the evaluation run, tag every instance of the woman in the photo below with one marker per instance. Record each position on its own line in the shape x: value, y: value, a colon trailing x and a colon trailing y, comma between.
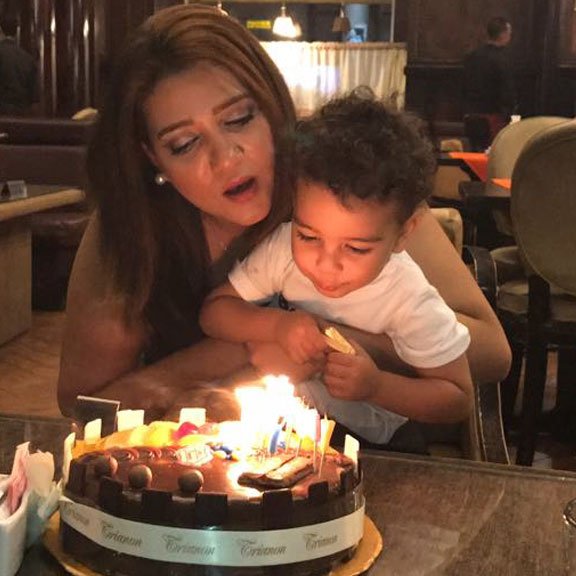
x: 186, y: 169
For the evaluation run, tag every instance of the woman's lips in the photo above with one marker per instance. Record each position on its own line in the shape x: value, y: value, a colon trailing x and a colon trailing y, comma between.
x: 242, y: 191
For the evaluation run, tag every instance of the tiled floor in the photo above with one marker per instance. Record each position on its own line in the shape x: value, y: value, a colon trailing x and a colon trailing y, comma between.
x: 29, y: 368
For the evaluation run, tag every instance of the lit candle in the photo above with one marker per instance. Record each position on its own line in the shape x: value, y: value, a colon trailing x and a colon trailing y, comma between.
x: 274, y: 439
x: 326, y: 429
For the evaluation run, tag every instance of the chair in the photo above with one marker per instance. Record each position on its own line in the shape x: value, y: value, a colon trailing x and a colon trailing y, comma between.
x: 482, y: 436
x: 493, y: 228
x: 445, y: 189
x: 504, y: 152
x: 538, y: 311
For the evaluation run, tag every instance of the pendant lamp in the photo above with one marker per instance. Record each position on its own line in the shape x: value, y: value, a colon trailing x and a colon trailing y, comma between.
x: 284, y: 25
x: 341, y: 23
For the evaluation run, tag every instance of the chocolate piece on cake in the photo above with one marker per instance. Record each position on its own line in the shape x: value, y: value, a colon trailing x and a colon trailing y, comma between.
x: 288, y: 474
x: 88, y: 408
x: 258, y: 468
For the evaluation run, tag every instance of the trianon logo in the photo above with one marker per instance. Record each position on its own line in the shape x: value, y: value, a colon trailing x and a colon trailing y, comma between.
x: 76, y: 515
x: 174, y: 545
x: 314, y: 541
x: 109, y: 532
x: 252, y: 548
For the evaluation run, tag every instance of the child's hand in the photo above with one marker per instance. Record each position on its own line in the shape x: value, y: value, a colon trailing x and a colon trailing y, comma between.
x: 298, y: 334
x: 351, y: 377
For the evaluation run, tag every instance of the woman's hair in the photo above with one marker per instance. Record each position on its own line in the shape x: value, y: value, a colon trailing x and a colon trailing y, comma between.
x: 358, y: 146
x: 152, y: 240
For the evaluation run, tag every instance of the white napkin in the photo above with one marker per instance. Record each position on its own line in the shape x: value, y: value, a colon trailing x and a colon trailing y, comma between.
x: 32, y: 473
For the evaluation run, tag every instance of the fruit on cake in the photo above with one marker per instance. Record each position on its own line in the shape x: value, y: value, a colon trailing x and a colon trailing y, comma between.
x: 252, y: 497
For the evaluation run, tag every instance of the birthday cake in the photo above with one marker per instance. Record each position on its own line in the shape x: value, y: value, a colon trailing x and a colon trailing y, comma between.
x: 209, y: 499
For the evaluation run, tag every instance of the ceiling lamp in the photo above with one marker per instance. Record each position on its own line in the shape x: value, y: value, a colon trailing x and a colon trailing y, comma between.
x: 284, y: 25
x: 341, y: 23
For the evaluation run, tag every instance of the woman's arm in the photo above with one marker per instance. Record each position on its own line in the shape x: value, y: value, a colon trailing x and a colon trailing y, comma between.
x: 101, y: 352
x: 489, y: 354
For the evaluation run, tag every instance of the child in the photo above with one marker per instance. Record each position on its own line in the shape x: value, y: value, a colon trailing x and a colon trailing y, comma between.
x: 363, y: 172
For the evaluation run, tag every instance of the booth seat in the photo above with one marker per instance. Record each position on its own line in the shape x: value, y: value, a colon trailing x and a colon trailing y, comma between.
x: 52, y: 131
x: 49, y: 151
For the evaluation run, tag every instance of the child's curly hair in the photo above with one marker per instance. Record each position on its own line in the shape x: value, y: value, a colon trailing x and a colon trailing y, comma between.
x: 358, y: 146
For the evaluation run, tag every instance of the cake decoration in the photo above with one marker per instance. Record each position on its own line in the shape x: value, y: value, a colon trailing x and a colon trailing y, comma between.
x: 139, y: 476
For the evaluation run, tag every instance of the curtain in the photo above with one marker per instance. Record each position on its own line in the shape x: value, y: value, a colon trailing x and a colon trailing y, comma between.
x: 318, y: 70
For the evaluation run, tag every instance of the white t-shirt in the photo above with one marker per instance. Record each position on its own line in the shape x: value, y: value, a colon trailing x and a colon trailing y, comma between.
x: 399, y: 302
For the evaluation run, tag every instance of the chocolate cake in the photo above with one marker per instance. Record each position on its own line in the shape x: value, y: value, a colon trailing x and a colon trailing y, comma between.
x: 202, y: 510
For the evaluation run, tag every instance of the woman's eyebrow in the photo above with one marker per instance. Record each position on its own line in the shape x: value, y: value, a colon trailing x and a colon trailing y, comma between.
x: 189, y: 121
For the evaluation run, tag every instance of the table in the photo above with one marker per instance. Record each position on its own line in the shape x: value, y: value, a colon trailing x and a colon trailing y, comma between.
x: 475, y: 164
x: 437, y: 516
x: 16, y: 253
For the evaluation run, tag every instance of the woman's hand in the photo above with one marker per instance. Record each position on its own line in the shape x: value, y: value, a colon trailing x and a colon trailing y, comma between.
x: 351, y: 377
x: 270, y: 358
x: 298, y: 334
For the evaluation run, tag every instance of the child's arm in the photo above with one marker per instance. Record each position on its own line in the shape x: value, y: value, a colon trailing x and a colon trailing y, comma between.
x: 225, y: 315
x: 442, y: 394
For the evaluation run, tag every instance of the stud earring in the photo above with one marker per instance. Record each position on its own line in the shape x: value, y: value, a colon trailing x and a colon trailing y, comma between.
x: 160, y: 179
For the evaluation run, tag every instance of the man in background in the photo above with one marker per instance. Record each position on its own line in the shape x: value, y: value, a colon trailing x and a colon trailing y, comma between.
x: 489, y: 94
x: 18, y: 72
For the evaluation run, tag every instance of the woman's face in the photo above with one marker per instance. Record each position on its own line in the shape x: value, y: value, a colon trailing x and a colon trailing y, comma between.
x: 211, y: 141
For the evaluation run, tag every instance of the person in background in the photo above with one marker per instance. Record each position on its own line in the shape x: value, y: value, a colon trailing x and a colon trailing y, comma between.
x: 18, y: 73
x: 188, y: 174
x: 488, y: 86
x: 363, y: 173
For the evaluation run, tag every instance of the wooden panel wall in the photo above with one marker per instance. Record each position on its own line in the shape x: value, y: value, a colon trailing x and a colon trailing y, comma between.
x: 75, y: 40
x: 440, y: 32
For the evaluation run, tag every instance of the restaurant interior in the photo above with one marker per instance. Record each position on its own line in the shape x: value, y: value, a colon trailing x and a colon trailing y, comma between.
x: 410, y: 52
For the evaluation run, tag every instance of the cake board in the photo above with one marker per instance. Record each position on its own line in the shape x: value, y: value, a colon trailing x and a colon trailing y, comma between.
x: 368, y: 550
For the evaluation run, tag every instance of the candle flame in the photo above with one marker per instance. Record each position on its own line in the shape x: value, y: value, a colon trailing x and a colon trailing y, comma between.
x: 265, y: 408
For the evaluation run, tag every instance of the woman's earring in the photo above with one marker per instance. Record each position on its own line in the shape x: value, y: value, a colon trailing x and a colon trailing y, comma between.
x: 160, y: 179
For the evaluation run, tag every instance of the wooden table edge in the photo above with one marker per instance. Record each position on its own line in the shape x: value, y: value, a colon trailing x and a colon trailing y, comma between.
x: 27, y: 206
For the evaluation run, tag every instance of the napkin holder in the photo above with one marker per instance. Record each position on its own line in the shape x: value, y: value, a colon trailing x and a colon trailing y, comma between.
x: 13, y: 189
x: 13, y: 538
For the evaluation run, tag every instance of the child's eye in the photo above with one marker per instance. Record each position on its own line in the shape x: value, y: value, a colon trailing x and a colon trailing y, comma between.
x: 356, y: 250
x: 305, y: 237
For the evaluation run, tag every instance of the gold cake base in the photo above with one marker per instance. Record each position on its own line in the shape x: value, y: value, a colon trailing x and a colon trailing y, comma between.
x: 368, y: 550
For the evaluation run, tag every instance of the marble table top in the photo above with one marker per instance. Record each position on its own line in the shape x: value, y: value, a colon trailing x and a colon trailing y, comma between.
x: 436, y: 516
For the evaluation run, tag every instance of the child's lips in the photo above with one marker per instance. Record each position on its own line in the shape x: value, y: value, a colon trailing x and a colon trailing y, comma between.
x: 327, y: 289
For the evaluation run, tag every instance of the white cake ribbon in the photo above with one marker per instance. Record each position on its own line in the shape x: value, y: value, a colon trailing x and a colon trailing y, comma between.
x: 214, y: 547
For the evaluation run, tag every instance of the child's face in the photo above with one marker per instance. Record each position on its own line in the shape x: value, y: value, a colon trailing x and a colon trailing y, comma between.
x: 342, y: 248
